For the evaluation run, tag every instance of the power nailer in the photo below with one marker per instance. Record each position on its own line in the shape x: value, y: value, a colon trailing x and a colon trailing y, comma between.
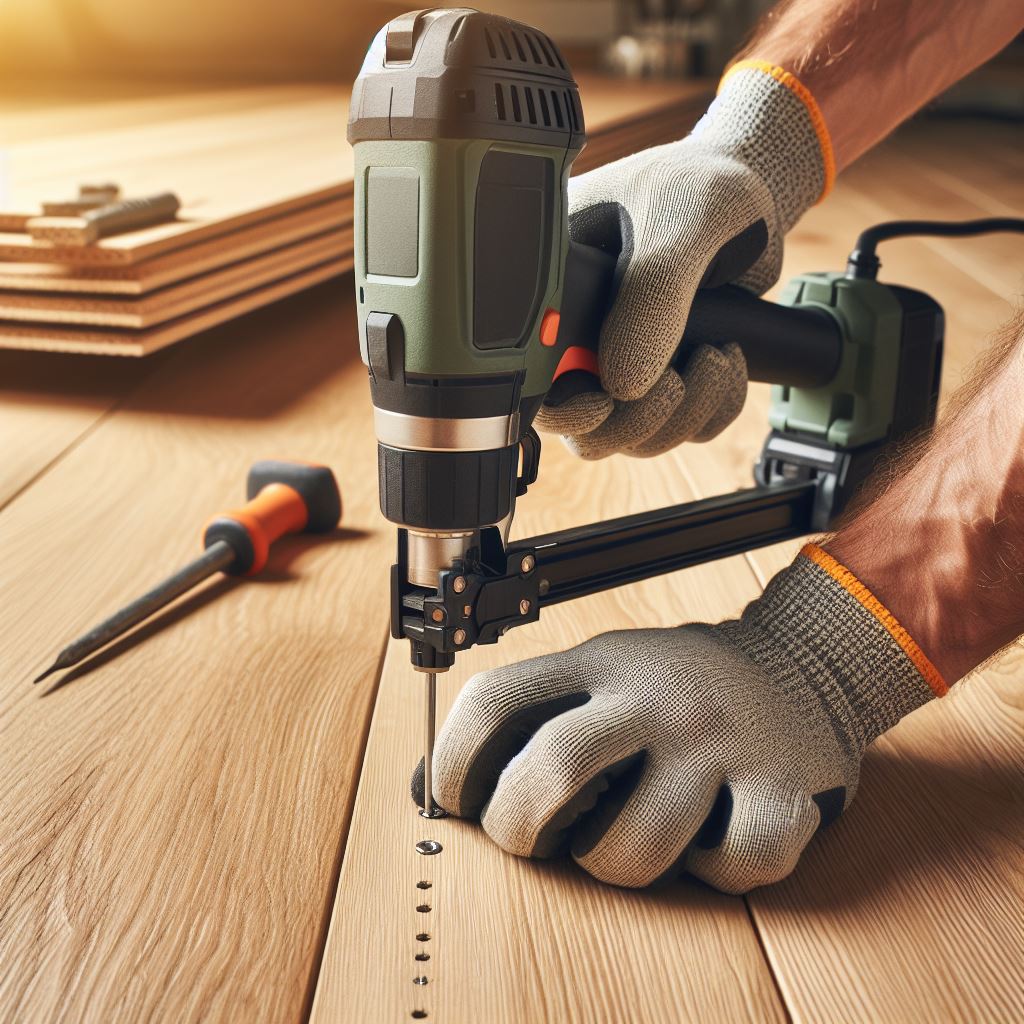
x: 475, y: 308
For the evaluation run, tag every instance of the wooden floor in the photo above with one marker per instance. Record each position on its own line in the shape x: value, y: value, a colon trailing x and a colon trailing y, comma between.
x: 212, y: 821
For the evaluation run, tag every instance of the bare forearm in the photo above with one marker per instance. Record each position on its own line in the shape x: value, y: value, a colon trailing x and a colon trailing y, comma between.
x: 943, y: 546
x: 870, y: 64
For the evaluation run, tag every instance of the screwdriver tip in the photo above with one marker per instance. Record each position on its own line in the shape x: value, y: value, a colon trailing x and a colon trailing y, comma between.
x: 63, y: 661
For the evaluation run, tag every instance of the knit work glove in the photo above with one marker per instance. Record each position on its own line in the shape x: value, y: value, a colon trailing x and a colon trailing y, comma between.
x: 717, y: 750
x: 709, y: 210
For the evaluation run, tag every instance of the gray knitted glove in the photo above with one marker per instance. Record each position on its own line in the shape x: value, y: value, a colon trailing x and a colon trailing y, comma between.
x: 708, y: 210
x: 713, y: 749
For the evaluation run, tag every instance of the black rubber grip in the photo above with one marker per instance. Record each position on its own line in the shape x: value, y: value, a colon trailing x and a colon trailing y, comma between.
x: 235, y: 535
x: 450, y: 490
x: 316, y: 485
x: 782, y: 345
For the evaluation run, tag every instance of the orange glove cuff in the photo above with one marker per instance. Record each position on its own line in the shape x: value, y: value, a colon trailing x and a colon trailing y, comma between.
x: 791, y: 82
x: 853, y: 586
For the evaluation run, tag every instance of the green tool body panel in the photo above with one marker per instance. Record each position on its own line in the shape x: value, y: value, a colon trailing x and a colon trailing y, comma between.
x: 464, y: 127
x: 443, y: 306
x: 475, y: 307
x: 856, y: 407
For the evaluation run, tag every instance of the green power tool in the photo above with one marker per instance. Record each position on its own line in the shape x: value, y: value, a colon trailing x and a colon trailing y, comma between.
x: 475, y: 308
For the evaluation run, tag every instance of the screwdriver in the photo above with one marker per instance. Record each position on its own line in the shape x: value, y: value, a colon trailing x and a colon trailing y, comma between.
x: 282, y: 498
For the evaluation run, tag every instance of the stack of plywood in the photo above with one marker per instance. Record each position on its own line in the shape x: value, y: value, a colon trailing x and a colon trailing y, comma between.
x: 265, y: 179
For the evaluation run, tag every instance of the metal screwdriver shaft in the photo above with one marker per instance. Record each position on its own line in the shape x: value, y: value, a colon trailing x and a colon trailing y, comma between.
x: 284, y: 498
x: 215, y: 558
x: 429, y: 810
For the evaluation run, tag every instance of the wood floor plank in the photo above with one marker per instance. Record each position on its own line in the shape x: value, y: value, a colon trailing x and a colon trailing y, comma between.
x: 181, y: 299
x: 47, y: 403
x: 511, y: 940
x: 181, y: 264
x: 145, y: 341
x: 911, y: 906
x: 172, y: 819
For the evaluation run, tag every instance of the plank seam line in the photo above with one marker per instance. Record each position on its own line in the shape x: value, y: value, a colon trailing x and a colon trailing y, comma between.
x: 327, y: 915
x: 776, y: 984
x: 73, y: 444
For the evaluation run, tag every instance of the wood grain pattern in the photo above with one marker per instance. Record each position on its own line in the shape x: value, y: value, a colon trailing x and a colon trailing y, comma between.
x: 110, y: 342
x: 46, y: 404
x: 909, y: 909
x: 180, y: 299
x: 510, y: 940
x: 181, y: 264
x: 172, y: 817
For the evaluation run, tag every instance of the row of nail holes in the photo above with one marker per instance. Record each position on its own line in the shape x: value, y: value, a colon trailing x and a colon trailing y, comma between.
x: 422, y: 956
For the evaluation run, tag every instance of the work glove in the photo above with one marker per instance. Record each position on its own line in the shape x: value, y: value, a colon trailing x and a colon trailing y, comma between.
x: 708, y: 210
x: 714, y: 749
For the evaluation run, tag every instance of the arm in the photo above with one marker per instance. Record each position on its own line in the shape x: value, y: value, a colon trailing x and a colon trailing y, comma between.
x: 870, y: 64
x: 818, y: 85
x: 720, y: 749
x: 957, y: 518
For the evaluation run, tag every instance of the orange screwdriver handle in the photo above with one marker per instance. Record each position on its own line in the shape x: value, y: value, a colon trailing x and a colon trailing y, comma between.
x: 284, y: 497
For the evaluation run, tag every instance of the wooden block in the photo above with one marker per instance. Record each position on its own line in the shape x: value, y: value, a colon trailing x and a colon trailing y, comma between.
x: 181, y: 299
x: 111, y: 342
x: 197, y: 223
x: 189, y: 261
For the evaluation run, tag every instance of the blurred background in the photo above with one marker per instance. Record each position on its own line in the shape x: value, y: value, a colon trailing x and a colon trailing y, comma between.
x: 326, y: 38
x: 51, y: 40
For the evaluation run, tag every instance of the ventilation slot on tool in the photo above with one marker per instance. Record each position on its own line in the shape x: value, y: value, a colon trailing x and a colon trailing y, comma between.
x: 545, y: 111
x: 517, y: 111
x: 546, y: 50
x: 531, y: 109
x: 570, y: 106
x: 499, y: 101
x: 522, y: 47
x: 557, y: 107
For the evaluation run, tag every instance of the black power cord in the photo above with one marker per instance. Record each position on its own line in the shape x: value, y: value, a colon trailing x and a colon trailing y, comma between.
x: 863, y: 262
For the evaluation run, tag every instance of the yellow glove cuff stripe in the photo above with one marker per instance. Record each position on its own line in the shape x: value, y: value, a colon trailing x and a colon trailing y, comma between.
x: 853, y: 586
x: 795, y: 86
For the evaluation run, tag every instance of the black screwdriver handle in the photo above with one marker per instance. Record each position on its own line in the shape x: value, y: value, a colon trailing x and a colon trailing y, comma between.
x: 781, y: 344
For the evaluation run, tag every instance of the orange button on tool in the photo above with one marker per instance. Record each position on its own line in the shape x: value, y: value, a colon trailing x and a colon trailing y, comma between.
x: 549, y: 327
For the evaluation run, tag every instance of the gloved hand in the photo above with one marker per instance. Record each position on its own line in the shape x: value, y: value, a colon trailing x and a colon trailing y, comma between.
x: 714, y: 749
x: 709, y: 210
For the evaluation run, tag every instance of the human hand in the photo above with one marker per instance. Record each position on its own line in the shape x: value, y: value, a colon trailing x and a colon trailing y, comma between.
x: 717, y: 750
x: 708, y: 210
